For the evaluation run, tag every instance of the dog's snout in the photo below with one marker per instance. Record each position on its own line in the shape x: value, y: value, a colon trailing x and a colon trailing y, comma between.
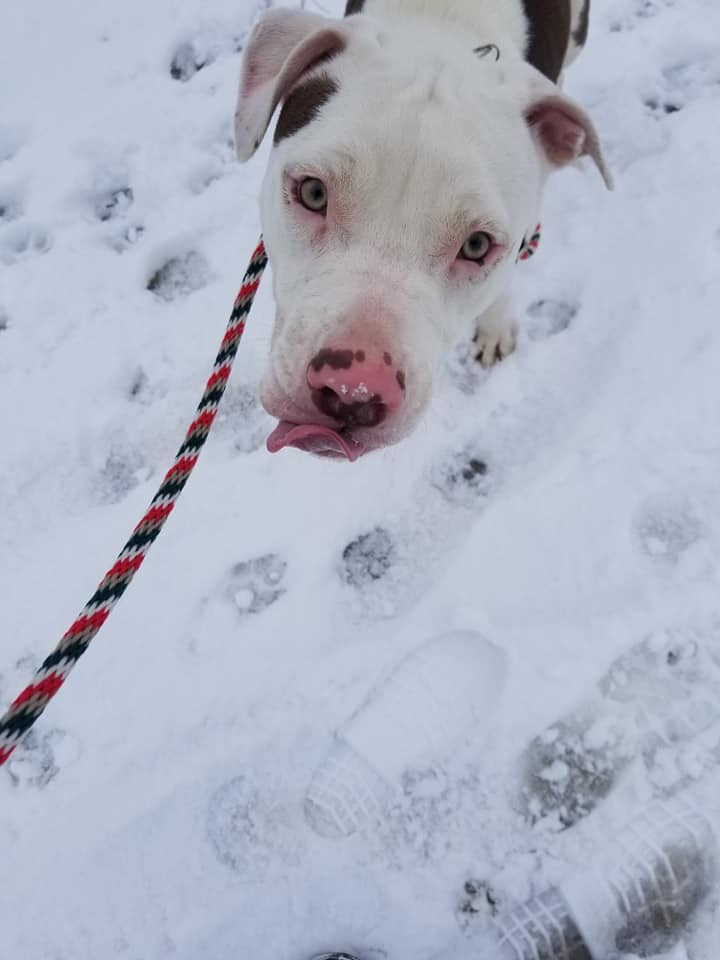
x: 355, y: 386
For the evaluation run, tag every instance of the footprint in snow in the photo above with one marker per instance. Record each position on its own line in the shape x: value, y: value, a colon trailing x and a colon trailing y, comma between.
x: 254, y: 585
x: 206, y: 46
x: 659, y: 695
x: 667, y: 527
x: 245, y: 590
x: 368, y: 558
x: 242, y: 415
x: 127, y: 237
x: 463, y: 478
x: 142, y: 389
x: 10, y: 206
x: 21, y: 240
x: 248, y: 829
x: 188, y: 59
x: 124, y: 468
x: 548, y: 317
x: 39, y: 758
x: 389, y: 566
x: 114, y: 203
x: 179, y: 276
x: 660, y: 106
x: 478, y: 899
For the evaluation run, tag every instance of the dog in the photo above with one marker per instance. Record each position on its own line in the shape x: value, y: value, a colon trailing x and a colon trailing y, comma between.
x: 411, y: 147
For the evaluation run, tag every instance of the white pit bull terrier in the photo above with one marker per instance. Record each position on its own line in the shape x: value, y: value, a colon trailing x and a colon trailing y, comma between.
x: 410, y: 152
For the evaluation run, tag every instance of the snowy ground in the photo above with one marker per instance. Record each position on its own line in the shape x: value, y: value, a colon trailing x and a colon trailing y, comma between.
x: 159, y: 810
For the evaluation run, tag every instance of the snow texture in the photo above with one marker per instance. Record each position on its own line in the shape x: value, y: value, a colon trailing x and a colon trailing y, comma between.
x: 564, y: 505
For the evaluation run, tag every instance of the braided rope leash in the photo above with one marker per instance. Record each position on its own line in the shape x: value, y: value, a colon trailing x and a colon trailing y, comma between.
x: 529, y: 244
x: 29, y: 705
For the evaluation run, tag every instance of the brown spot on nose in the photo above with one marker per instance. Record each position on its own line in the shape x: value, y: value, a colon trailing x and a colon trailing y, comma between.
x: 387, y: 358
x: 360, y: 356
x: 360, y: 413
x: 400, y: 377
x: 337, y: 359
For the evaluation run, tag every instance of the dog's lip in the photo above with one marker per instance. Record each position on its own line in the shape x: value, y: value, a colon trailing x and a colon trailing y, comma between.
x: 313, y: 438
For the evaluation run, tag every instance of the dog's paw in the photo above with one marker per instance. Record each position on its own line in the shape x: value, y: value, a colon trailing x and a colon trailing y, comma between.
x: 493, y: 344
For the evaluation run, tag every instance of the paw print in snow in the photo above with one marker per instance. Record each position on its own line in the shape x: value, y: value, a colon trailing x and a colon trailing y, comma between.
x: 368, y: 558
x: 39, y: 759
x: 22, y: 240
x: 661, y: 107
x: 187, y: 61
x: 247, y: 829
x: 548, y: 317
x: 114, y: 203
x: 123, y: 470
x: 463, y: 479
x: 668, y: 528
x: 478, y: 899
x: 179, y: 276
x: 144, y: 390
x: 256, y: 584
x: 243, y: 416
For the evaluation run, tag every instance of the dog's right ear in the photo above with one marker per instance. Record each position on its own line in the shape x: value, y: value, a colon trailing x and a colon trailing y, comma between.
x: 283, y: 45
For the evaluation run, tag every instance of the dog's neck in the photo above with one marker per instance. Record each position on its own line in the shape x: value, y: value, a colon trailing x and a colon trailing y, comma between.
x: 501, y: 22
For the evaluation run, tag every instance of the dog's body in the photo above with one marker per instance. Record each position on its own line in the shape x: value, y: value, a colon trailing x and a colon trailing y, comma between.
x: 409, y: 157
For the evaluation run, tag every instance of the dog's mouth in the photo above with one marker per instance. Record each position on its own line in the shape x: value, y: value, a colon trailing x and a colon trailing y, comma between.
x: 322, y: 441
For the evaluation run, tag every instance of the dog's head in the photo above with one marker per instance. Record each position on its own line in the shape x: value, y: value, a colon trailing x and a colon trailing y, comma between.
x: 404, y: 174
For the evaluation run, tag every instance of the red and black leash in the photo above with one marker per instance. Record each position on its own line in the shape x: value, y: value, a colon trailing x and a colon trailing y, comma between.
x: 29, y: 705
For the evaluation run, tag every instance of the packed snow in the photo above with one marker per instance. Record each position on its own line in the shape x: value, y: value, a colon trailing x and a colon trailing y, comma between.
x: 369, y: 706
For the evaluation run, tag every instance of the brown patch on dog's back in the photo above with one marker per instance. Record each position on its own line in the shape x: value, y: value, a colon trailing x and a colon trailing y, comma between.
x: 303, y: 104
x: 548, y: 34
x: 581, y: 30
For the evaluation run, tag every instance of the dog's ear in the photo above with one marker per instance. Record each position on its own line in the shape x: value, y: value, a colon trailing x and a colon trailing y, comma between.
x: 562, y: 128
x: 282, y: 46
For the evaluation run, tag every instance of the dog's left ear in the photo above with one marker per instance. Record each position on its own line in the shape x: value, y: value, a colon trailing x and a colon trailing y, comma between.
x: 282, y: 46
x: 562, y: 128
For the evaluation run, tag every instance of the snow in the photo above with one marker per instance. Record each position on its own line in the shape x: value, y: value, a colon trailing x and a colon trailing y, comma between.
x: 564, y: 506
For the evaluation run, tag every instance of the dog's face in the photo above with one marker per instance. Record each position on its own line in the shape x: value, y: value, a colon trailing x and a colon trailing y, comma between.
x: 405, y: 173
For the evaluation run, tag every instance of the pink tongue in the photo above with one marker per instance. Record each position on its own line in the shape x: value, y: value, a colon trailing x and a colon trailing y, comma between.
x: 313, y: 439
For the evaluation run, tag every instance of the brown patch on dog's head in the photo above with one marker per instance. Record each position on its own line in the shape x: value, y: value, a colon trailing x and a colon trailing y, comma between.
x: 303, y: 104
x: 581, y: 30
x: 548, y: 35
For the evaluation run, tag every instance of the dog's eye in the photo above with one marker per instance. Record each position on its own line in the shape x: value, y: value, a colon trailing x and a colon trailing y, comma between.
x: 476, y: 247
x: 312, y: 194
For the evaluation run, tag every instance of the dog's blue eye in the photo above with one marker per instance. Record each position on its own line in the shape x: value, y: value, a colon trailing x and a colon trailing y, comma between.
x: 312, y: 194
x: 476, y: 246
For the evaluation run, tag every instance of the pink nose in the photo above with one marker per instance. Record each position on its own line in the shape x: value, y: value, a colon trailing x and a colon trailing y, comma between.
x: 355, y: 386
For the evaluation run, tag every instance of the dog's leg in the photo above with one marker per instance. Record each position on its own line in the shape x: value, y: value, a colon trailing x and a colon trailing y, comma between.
x: 496, y: 332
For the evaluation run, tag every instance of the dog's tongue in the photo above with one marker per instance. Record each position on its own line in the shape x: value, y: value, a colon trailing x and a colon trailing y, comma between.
x: 313, y: 439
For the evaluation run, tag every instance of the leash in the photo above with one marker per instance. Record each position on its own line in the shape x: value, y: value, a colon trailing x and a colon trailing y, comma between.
x: 529, y: 244
x: 28, y: 706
